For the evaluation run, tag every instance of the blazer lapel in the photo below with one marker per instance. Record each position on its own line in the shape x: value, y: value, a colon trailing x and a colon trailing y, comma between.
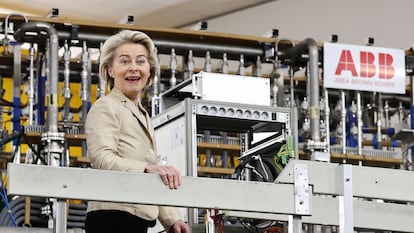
x: 142, y: 117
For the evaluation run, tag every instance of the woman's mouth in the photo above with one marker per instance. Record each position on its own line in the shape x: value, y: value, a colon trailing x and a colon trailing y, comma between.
x: 132, y: 78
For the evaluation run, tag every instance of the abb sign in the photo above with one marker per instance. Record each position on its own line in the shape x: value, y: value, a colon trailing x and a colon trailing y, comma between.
x: 364, y: 68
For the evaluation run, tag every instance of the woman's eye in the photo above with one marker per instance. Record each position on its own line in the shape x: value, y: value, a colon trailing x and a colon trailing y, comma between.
x: 141, y: 61
x: 124, y: 61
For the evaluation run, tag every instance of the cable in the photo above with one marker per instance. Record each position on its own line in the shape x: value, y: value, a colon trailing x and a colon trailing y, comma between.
x: 3, y: 195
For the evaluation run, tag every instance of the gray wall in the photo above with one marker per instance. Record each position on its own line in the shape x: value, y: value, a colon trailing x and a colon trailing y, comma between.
x: 389, y: 22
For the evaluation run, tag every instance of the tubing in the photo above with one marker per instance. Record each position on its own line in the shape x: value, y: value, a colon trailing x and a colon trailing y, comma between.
x: 309, y: 45
x: 66, y: 85
x: 102, y: 82
x: 207, y: 62
x: 359, y: 122
x: 84, y: 94
x: 181, y: 47
x: 173, y: 68
x: 412, y: 114
x: 190, y: 65
x: 242, y: 69
x: 379, y: 120
x: 274, y: 85
x: 17, y: 71
x: 343, y: 120
x: 327, y: 119
x: 6, y: 31
x: 41, y: 90
x: 52, y: 110
x: 53, y: 149
x: 31, y: 85
x: 155, y: 101
x: 156, y: 82
x: 85, y: 90
x: 225, y: 64
x: 257, y: 71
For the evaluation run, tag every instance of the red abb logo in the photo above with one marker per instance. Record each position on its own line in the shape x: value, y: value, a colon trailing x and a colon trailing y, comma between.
x: 368, y: 69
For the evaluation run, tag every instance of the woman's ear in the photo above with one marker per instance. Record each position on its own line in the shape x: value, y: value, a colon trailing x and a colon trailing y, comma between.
x: 110, y: 73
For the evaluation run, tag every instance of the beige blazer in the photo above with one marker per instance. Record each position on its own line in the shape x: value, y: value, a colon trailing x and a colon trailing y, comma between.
x: 120, y: 137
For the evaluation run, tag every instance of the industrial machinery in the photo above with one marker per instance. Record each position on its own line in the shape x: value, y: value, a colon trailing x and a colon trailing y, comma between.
x: 238, y: 108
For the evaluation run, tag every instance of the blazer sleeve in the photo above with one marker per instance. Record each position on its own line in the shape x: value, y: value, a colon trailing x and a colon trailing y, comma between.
x: 168, y: 216
x: 102, y: 129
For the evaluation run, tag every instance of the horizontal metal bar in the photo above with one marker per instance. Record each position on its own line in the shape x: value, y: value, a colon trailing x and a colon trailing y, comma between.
x: 372, y: 215
x: 91, y: 184
x: 368, y: 182
x: 181, y: 47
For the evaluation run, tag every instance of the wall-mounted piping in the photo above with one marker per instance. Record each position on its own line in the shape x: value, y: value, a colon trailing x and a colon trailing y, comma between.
x: 19, y: 35
x: 181, y: 47
x: 53, y: 139
x: 310, y: 47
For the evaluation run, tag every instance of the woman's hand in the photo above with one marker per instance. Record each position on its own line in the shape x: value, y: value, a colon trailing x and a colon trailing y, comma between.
x: 169, y: 174
x: 180, y: 227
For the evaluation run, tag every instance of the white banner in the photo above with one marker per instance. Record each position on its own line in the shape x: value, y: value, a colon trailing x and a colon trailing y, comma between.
x: 364, y: 68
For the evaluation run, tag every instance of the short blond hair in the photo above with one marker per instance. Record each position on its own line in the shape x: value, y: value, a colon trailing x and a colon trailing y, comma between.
x: 112, y: 43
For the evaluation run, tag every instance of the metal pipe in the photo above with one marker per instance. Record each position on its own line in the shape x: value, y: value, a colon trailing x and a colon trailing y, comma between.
x: 6, y: 31
x: 274, y: 85
x: 379, y: 119
x: 343, y: 122
x: 309, y: 45
x: 387, y: 115
x: 41, y: 87
x: 85, y: 89
x: 84, y: 93
x: 17, y: 76
x: 190, y: 65
x: 257, y: 69
x: 31, y: 84
x: 292, y: 88
x: 173, y: 68
x: 52, y: 110
x: 101, y: 80
x: 155, y: 101
x: 207, y: 62
x: 412, y: 119
x: 181, y: 47
x: 157, y: 80
x: 327, y: 119
x: 225, y: 64
x: 242, y: 69
x: 66, y: 84
x: 53, y: 150
x: 359, y: 122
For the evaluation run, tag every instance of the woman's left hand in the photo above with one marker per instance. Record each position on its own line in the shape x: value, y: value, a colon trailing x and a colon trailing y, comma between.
x: 169, y: 174
x: 180, y: 227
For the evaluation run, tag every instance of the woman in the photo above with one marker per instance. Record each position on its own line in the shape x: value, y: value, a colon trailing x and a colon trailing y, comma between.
x: 120, y: 136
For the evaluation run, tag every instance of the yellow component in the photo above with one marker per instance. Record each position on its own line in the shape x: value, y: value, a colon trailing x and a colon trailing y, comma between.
x: 314, y: 112
x: 75, y: 103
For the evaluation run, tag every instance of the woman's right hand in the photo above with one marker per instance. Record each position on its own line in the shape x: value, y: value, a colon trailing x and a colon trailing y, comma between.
x: 169, y: 174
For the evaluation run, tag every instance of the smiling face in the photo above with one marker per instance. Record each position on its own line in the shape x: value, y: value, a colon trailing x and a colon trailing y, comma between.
x: 130, y: 69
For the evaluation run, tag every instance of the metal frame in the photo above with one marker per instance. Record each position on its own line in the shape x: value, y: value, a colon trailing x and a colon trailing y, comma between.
x: 191, y: 114
x: 353, y: 197
x: 63, y: 183
x: 380, y: 199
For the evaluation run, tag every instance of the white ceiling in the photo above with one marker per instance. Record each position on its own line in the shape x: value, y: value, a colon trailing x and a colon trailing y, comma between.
x: 157, y: 13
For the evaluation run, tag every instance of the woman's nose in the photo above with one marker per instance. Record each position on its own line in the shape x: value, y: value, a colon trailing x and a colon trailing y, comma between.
x: 134, y: 67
